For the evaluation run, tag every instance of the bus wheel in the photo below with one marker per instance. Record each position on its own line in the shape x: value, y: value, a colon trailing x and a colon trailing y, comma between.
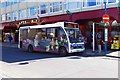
x: 30, y: 48
x: 63, y: 51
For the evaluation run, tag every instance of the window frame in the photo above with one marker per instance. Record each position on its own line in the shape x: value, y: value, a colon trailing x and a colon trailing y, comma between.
x: 15, y: 2
x: 111, y: 2
x: 3, y: 4
x: 22, y: 14
x: 32, y: 14
x: 89, y: 5
x: 8, y: 2
x: 15, y: 14
x: 8, y: 16
x: 3, y: 15
x: 44, y: 10
x: 54, y: 6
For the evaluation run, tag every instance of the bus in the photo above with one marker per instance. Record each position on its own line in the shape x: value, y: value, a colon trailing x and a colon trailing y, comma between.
x: 60, y: 37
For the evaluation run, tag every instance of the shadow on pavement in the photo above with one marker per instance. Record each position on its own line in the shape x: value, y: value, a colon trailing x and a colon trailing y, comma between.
x: 74, y: 57
x: 12, y: 55
x: 113, y: 56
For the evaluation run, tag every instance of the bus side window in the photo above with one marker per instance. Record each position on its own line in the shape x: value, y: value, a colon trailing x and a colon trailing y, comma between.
x: 24, y: 34
x: 62, y: 35
x: 41, y: 32
x: 32, y: 33
x: 57, y: 32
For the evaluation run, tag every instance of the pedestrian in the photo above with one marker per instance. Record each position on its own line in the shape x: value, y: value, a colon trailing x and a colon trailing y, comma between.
x: 4, y: 38
x: 13, y: 37
x: 10, y: 38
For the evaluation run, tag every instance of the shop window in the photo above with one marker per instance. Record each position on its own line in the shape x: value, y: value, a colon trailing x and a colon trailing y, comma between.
x: 115, y: 31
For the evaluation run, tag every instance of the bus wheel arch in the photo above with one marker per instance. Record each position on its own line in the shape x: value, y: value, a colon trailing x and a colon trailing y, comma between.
x: 30, y: 48
x: 63, y: 51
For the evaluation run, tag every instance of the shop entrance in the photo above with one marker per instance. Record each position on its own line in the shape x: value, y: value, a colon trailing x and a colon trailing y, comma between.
x: 10, y: 30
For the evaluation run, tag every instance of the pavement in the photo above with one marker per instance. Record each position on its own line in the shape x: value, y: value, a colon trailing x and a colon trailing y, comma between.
x: 87, y: 52
x: 109, y: 53
x: 115, y: 54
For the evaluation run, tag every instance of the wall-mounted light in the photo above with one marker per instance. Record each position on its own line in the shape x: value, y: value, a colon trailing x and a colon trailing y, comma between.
x: 25, y: 21
x: 32, y: 21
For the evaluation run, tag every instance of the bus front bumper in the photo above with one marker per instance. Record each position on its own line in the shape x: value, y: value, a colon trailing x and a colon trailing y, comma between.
x: 76, y: 50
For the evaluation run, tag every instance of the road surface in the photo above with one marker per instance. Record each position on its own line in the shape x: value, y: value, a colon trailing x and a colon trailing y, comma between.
x: 16, y: 63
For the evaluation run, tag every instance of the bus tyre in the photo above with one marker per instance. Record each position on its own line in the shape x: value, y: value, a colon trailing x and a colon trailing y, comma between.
x: 62, y: 51
x: 30, y: 48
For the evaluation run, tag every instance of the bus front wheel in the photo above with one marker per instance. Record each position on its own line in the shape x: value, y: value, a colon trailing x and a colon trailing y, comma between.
x: 62, y: 51
x: 30, y: 48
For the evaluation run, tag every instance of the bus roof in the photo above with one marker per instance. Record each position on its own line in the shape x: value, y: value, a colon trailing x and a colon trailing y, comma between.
x: 58, y: 24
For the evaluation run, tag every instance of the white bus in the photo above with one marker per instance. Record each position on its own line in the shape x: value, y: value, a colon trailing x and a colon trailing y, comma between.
x: 60, y: 37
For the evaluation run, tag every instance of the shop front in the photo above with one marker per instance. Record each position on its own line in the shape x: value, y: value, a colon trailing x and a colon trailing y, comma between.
x: 84, y: 19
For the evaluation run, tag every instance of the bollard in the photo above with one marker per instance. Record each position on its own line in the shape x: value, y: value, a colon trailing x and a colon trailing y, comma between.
x: 105, y: 48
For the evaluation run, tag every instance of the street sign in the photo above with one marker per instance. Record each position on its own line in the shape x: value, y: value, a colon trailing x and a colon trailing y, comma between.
x: 106, y: 18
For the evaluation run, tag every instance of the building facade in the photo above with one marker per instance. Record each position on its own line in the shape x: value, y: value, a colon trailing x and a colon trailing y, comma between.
x: 18, y: 13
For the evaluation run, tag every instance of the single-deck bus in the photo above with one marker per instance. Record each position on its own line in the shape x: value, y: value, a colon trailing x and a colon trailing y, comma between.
x: 60, y: 37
